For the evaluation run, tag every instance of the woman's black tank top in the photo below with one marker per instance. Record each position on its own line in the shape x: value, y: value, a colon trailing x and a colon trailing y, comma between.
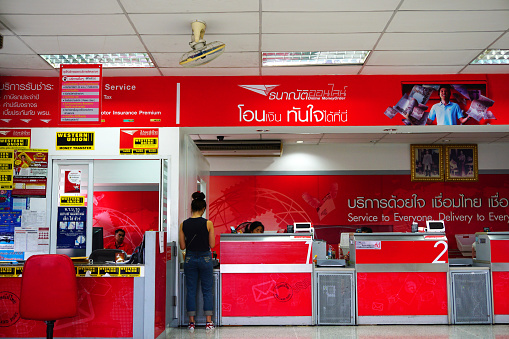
x: 197, y: 235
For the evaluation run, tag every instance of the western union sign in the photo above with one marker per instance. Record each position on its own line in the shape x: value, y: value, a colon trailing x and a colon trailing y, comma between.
x: 75, y: 141
x: 72, y: 201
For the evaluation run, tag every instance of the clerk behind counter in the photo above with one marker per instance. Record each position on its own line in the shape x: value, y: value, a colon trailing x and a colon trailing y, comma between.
x: 252, y: 227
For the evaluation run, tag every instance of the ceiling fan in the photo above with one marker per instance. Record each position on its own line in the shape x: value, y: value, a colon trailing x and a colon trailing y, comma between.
x: 201, y: 52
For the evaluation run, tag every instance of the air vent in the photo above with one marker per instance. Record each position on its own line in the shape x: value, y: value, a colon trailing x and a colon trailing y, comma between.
x: 244, y: 148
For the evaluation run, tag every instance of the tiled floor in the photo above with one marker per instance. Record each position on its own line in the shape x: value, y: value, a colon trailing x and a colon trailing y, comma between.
x: 365, y: 331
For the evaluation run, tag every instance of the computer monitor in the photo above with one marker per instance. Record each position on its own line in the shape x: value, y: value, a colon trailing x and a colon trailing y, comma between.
x: 97, y: 238
x: 435, y: 226
x: 302, y: 227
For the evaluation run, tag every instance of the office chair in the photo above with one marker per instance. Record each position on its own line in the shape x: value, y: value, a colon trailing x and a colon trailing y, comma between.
x: 49, y: 289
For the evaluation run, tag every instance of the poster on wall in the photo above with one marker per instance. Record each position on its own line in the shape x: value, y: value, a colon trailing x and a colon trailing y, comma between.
x: 30, y: 163
x: 80, y: 90
x: 9, y: 221
x: 139, y: 141
x: 72, y: 181
x: 443, y: 104
x: 71, y: 224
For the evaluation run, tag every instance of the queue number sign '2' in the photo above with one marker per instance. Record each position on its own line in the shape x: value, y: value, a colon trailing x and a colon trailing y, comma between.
x: 429, y: 250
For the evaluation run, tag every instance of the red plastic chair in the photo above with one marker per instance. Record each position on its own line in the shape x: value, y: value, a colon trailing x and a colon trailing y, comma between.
x: 49, y: 289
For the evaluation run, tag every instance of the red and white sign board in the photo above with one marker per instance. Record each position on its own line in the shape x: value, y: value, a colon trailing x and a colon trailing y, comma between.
x: 80, y: 94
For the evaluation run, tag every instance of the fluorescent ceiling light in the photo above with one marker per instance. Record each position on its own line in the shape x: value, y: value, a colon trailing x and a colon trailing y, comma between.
x: 492, y: 57
x: 334, y: 58
x: 119, y: 60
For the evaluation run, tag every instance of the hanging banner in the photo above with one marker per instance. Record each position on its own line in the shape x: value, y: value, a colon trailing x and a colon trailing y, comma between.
x: 15, y: 138
x: 75, y: 141
x: 80, y: 94
x: 139, y: 141
x: 71, y: 223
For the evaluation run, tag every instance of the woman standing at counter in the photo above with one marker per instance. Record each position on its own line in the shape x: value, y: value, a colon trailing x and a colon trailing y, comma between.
x: 196, y: 236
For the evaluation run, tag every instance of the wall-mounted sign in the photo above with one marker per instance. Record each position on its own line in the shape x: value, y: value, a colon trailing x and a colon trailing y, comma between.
x: 15, y: 138
x: 71, y: 223
x: 80, y: 93
x: 6, y: 166
x: 75, y: 141
x: 139, y: 141
x: 72, y: 201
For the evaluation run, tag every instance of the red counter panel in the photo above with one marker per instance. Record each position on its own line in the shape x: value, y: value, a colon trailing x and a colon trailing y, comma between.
x: 499, y: 250
x: 270, y: 252
x: 500, y: 293
x: 266, y: 294
x: 402, y: 252
x: 402, y: 293
x: 105, y: 309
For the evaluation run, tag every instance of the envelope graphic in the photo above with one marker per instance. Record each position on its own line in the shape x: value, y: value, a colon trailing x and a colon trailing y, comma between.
x: 377, y: 306
x: 264, y: 291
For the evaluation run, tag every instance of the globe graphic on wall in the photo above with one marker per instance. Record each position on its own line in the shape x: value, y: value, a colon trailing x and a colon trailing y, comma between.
x: 240, y: 204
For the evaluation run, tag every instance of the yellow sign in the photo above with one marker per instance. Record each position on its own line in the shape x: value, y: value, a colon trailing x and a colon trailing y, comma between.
x: 72, y: 201
x: 112, y: 271
x: 17, y: 143
x: 75, y: 141
x: 145, y: 143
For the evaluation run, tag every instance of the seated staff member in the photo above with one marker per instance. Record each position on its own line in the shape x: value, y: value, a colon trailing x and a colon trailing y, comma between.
x: 255, y: 227
x: 119, y: 243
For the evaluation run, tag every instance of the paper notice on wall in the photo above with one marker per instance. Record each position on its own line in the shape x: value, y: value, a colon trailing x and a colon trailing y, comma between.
x: 33, y: 219
x: 72, y: 181
x: 32, y: 240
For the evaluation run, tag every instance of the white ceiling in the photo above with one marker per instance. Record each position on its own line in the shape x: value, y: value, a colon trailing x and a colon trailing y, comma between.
x: 406, y: 36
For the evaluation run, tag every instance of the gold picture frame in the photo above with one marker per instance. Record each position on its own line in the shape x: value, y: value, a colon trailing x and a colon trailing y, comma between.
x: 461, y: 163
x: 427, y: 163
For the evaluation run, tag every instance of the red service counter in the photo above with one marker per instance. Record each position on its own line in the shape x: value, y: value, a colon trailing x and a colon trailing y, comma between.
x: 114, y: 301
x: 401, y: 278
x: 266, y: 279
x: 492, y: 250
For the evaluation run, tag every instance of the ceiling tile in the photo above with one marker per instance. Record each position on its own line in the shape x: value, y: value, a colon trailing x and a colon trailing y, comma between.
x: 353, y: 136
x: 230, y: 137
x: 25, y: 72
x: 84, y: 44
x: 453, y: 5
x: 23, y: 61
x: 115, y: 24
x: 243, y: 60
x: 447, y: 21
x: 13, y: 45
x: 131, y: 72
x: 180, y: 43
x: 311, y: 70
x: 324, y: 22
x: 60, y: 7
x: 421, y: 58
x: 217, y: 23
x: 200, y: 71
x: 318, y: 42
x: 346, y: 141
x: 436, y: 41
x: 487, y: 69
x: 502, y: 43
x: 196, y: 6
x: 328, y: 5
x: 373, y: 70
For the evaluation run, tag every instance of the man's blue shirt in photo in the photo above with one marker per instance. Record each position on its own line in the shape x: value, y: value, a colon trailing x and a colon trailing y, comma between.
x: 446, y: 114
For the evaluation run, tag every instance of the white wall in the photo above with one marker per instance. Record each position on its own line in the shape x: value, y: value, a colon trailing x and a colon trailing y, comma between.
x: 348, y: 157
x: 107, y: 142
x: 192, y: 165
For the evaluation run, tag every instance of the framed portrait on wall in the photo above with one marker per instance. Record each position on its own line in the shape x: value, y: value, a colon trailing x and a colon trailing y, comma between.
x: 461, y: 163
x: 426, y: 163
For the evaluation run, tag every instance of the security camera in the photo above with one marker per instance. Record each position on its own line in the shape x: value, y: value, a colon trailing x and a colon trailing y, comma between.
x: 220, y: 137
